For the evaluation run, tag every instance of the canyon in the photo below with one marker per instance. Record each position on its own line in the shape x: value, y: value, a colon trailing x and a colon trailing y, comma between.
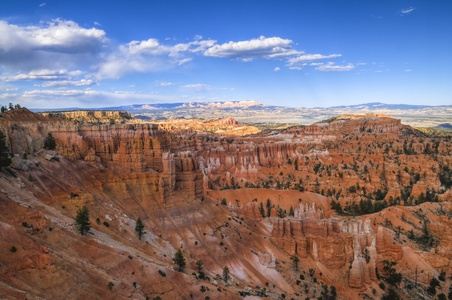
x: 291, y: 212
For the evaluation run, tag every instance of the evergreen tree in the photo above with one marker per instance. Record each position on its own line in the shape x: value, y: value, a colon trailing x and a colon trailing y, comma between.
x: 291, y: 212
x: 226, y: 274
x: 139, y: 227
x: 295, y: 260
x: 4, y: 151
x: 199, y: 265
x: 49, y: 142
x: 261, y: 210
x: 269, y: 207
x: 82, y: 220
x: 179, y: 259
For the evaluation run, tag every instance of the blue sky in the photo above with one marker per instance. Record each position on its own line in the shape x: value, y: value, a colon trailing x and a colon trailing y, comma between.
x: 56, y: 54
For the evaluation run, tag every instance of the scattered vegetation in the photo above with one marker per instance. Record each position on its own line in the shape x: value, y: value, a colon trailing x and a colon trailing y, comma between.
x: 5, y: 161
x: 82, y: 220
x: 226, y: 274
x: 179, y: 259
x: 49, y: 142
x: 139, y: 228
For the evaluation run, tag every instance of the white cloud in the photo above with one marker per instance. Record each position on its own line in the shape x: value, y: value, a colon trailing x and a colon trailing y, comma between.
x: 65, y: 83
x: 82, y: 98
x: 58, y: 92
x: 147, y: 56
x: 408, y: 70
x: 183, y: 61
x: 53, y: 44
x: 309, y: 57
x: 166, y: 83
x: 42, y: 4
x: 8, y: 96
x: 331, y: 67
x: 296, y: 68
x: 197, y: 87
x: 262, y: 47
x: 153, y: 47
x: 277, y: 69
x: 407, y: 11
x: 43, y: 74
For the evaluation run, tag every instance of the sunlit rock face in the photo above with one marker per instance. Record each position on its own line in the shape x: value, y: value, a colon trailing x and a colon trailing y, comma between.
x: 251, y: 203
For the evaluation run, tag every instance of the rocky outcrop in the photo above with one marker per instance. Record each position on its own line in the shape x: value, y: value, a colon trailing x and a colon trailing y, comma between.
x: 334, y: 243
x: 93, y: 116
x: 250, y: 210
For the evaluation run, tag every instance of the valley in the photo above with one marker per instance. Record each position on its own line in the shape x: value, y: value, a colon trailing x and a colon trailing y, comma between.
x: 352, y: 206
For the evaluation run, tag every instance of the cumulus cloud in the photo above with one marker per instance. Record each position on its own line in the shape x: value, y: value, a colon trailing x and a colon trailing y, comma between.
x: 47, y: 45
x: 331, y: 67
x: 153, y: 47
x: 276, y: 69
x: 147, y: 56
x: 63, y: 55
x: 309, y: 57
x: 262, y: 47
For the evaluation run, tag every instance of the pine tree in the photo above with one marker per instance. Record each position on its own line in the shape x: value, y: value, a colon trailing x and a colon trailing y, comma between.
x: 82, y: 220
x: 269, y: 207
x: 49, y: 142
x: 295, y: 260
x: 226, y: 274
x: 139, y: 227
x: 291, y: 212
x: 179, y: 259
x: 199, y: 265
x: 261, y: 210
x: 4, y: 155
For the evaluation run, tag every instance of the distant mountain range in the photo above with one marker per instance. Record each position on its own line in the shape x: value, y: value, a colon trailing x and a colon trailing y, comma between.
x: 241, y: 104
x: 164, y: 106
x: 256, y: 112
x: 379, y: 105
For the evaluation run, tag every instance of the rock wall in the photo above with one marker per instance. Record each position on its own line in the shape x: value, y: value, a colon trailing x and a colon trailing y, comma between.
x: 336, y: 244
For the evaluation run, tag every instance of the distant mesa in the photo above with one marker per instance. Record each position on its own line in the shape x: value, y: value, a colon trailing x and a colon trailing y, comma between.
x: 444, y: 125
x: 228, y: 104
x: 379, y: 105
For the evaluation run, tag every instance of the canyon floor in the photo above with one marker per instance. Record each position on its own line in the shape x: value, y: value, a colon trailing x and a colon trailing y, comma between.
x: 352, y: 207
